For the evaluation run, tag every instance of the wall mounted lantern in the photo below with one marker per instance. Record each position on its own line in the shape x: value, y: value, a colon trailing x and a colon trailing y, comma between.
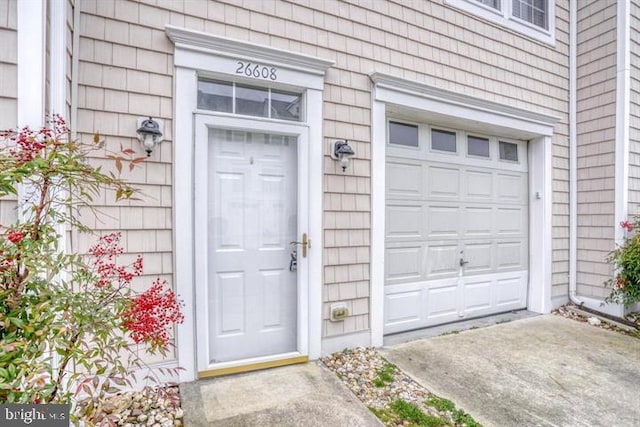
x: 343, y: 152
x: 149, y: 133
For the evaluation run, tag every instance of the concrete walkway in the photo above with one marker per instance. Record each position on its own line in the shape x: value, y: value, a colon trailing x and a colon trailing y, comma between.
x: 299, y: 395
x: 541, y: 371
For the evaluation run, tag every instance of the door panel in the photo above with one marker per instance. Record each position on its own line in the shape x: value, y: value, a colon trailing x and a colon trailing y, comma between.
x: 252, y: 217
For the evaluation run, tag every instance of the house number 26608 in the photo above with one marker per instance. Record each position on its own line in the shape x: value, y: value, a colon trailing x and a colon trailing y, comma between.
x: 258, y: 71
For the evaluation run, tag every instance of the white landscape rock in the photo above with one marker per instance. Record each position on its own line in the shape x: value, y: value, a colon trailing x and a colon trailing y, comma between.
x: 594, y: 321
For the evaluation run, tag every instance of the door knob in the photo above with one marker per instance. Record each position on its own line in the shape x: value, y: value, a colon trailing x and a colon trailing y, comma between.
x: 463, y: 262
x: 306, y: 243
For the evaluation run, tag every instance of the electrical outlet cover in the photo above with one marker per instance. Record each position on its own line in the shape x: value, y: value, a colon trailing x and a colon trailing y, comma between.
x: 339, y: 311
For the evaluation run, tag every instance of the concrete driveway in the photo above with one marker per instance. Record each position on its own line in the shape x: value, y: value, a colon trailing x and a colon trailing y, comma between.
x: 540, y: 371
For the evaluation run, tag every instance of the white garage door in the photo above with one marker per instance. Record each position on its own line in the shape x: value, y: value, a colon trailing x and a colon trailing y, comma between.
x: 456, y: 238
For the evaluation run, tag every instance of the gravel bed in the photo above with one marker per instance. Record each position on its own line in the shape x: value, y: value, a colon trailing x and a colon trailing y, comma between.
x: 146, y: 408
x: 599, y: 322
x: 360, y: 368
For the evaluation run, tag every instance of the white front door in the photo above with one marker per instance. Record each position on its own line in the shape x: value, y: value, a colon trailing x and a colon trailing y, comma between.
x: 247, y: 212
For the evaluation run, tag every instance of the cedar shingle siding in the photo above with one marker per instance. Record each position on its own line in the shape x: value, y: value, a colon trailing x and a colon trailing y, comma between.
x: 126, y: 68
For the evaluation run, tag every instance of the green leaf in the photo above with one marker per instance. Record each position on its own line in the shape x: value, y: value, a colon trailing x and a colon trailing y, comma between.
x: 18, y: 322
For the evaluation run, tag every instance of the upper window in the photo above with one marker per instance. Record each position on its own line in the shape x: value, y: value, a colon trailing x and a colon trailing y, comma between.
x: 228, y: 97
x: 532, y: 11
x: 533, y: 18
x: 491, y: 3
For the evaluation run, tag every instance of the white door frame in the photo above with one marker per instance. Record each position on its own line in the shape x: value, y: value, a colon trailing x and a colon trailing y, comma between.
x: 198, y: 52
x: 203, y: 123
x: 464, y: 112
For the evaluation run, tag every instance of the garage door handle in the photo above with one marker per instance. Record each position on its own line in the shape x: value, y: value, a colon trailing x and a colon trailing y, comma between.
x: 463, y: 262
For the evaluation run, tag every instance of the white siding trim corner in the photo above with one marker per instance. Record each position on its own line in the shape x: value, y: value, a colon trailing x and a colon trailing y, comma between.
x: 58, y: 43
x: 623, y: 103
x: 31, y: 62
x: 183, y: 234
x: 378, y: 210
x: 31, y: 45
x: 540, y: 225
x: 315, y: 118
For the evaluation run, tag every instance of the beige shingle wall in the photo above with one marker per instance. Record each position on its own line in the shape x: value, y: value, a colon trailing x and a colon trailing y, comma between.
x: 634, y: 131
x: 126, y: 71
x: 8, y: 86
x: 124, y: 75
x: 596, y: 142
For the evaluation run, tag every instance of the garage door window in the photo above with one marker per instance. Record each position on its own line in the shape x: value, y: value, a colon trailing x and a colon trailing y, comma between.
x: 403, y: 134
x: 443, y: 140
x: 477, y: 146
x: 508, y: 151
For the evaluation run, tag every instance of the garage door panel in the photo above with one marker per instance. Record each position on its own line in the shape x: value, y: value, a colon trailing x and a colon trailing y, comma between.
x: 405, y: 221
x: 403, y: 264
x: 442, y: 260
x: 511, y: 220
x: 404, y: 180
x: 511, y: 255
x: 478, y: 185
x: 511, y: 188
x: 441, y: 300
x: 478, y: 221
x: 443, y: 182
x: 443, y: 222
x: 510, y: 290
x: 480, y: 257
x: 476, y: 295
x: 420, y: 304
x: 403, y: 307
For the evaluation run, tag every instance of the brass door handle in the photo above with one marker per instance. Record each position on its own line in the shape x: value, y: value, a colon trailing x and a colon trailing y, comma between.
x: 306, y: 244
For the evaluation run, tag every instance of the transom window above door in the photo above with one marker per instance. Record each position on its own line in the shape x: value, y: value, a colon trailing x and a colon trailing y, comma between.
x: 248, y: 100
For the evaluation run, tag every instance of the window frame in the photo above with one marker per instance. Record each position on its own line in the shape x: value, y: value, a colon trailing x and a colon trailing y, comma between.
x: 234, y: 82
x: 504, y: 17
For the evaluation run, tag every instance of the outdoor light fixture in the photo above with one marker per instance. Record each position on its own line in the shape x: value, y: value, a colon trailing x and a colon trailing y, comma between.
x: 149, y: 133
x: 343, y: 152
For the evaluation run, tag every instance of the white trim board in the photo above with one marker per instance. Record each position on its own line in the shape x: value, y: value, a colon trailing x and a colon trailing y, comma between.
x: 623, y: 101
x: 434, y: 104
x: 197, y: 53
x: 31, y: 62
